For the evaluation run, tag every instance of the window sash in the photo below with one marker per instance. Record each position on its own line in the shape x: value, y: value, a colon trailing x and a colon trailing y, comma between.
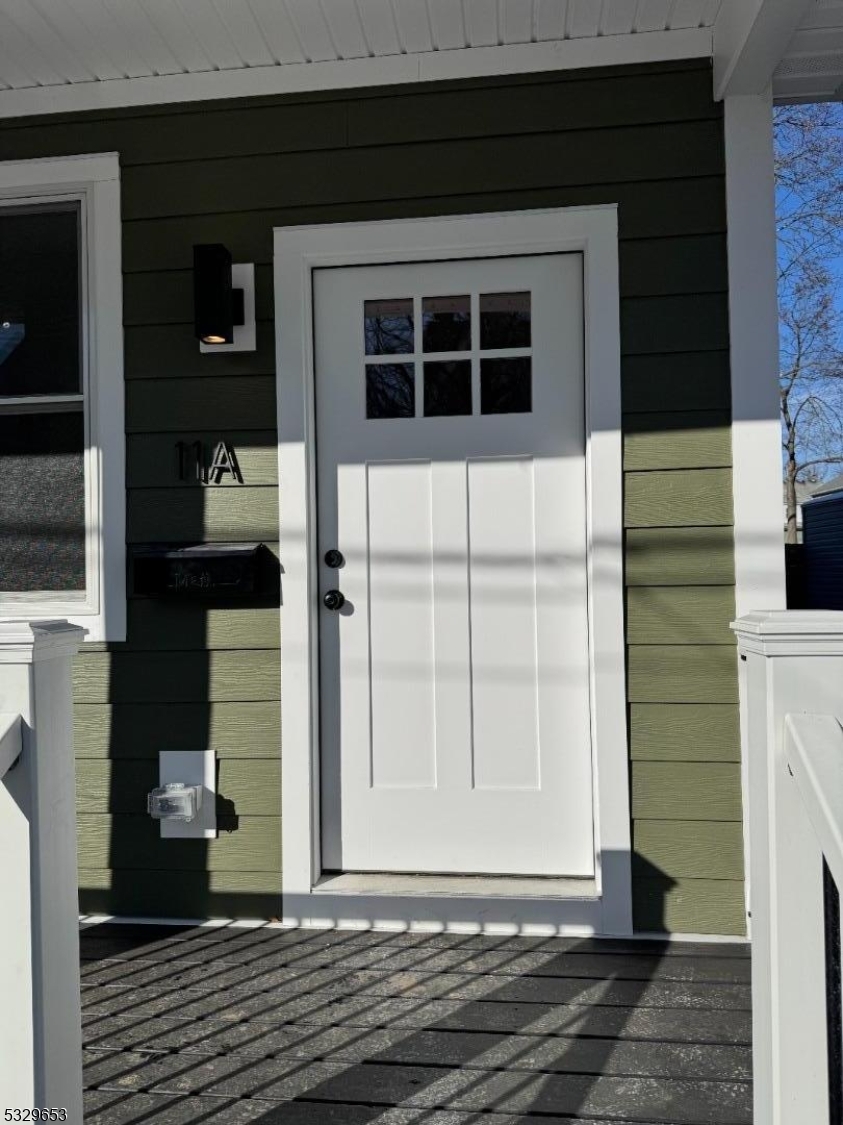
x: 74, y: 600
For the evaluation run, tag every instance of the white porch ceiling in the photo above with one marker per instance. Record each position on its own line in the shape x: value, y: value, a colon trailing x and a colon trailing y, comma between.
x: 812, y: 67
x: 55, y: 45
x: 45, y: 43
x: 66, y: 54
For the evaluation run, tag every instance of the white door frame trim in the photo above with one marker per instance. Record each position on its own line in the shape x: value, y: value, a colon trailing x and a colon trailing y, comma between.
x: 592, y: 231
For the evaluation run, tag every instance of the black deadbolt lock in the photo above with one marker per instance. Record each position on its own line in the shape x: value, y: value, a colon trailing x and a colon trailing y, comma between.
x: 333, y: 600
x: 334, y: 559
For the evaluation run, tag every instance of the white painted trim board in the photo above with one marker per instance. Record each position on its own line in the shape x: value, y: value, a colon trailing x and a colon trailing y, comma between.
x: 756, y: 424
x: 93, y: 179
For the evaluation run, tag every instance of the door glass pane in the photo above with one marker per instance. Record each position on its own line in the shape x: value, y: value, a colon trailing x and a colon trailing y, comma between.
x: 39, y: 300
x: 42, y: 502
x: 504, y: 320
x: 390, y: 390
x: 506, y: 386
x: 446, y: 324
x: 388, y: 326
x: 447, y: 387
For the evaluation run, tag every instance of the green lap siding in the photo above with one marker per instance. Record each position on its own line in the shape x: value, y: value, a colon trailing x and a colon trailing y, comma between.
x: 646, y: 138
x: 684, y: 732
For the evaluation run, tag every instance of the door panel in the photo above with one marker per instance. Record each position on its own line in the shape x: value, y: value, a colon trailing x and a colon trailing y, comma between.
x: 502, y: 610
x: 451, y: 475
x: 400, y: 597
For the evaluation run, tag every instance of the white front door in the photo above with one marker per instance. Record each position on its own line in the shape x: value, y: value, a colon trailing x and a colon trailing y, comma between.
x: 454, y: 679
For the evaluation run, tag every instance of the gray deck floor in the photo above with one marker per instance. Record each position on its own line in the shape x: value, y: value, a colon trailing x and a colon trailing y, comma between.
x: 297, y: 1027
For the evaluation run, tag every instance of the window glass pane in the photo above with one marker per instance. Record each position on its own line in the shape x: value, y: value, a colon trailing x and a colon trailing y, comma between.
x: 506, y: 386
x: 388, y: 326
x: 39, y: 300
x: 447, y: 387
x: 504, y: 320
x: 446, y: 324
x: 42, y: 502
x: 390, y: 390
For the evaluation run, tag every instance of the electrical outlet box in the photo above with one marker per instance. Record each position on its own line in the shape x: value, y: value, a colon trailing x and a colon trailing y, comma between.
x: 190, y: 768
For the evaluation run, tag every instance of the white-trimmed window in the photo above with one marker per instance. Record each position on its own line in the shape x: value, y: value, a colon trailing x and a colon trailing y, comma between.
x: 62, y: 445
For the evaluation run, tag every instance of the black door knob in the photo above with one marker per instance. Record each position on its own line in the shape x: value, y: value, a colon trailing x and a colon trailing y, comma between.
x: 334, y: 559
x: 333, y: 600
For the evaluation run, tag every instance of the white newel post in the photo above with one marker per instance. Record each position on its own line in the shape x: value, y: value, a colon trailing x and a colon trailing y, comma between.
x: 40, y: 1024
x: 791, y: 663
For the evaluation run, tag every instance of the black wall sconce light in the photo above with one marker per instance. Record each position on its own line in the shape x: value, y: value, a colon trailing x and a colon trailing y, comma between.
x: 223, y: 300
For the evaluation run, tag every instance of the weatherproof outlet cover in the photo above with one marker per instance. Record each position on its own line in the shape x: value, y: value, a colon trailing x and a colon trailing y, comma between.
x: 192, y: 767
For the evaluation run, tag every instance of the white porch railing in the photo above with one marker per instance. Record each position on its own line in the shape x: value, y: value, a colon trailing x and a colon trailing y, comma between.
x: 792, y: 707
x: 40, y: 1025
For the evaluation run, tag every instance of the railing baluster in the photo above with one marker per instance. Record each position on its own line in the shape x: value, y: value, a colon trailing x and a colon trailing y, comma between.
x: 834, y: 996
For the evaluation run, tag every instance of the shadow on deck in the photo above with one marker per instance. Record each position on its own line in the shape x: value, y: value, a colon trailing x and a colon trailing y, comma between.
x: 224, y: 1026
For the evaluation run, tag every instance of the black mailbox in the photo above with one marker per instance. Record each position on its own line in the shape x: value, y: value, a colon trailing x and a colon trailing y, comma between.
x: 208, y: 570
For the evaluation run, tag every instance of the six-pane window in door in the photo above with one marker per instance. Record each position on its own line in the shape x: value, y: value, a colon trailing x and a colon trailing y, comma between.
x: 42, y: 401
x: 472, y: 356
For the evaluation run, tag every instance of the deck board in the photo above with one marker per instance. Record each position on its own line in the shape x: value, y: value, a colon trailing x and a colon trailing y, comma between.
x: 211, y: 1024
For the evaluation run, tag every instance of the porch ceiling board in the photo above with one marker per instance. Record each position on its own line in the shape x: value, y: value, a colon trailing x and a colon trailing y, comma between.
x: 87, y: 54
x: 812, y: 66
x: 91, y: 53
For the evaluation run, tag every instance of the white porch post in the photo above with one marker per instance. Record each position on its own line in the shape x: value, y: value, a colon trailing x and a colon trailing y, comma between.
x: 40, y: 1032
x: 754, y: 337
x: 792, y: 662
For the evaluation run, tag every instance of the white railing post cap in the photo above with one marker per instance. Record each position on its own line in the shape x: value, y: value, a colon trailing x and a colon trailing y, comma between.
x: 23, y: 642
x: 806, y: 632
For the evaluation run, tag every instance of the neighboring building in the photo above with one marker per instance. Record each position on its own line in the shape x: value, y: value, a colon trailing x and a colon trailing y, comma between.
x: 835, y: 484
x: 496, y: 288
x: 822, y: 555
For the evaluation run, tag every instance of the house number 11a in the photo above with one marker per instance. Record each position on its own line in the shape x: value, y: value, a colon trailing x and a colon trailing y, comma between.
x: 194, y: 463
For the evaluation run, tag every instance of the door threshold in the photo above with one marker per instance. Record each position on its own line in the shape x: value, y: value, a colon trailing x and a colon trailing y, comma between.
x: 461, y: 886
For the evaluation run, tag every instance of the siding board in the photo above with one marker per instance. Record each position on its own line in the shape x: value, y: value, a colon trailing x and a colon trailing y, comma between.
x: 169, y: 894
x: 177, y: 677
x: 682, y: 674
x: 711, y: 851
x: 655, y: 325
x: 188, y: 515
x: 236, y: 402
x: 679, y: 382
x: 156, y: 626
x: 686, y: 791
x: 689, y: 906
x: 245, y: 843
x: 689, y: 440
x: 133, y: 730
x: 680, y: 556
x: 687, y: 732
x: 680, y: 615
x: 659, y: 267
x: 680, y: 498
